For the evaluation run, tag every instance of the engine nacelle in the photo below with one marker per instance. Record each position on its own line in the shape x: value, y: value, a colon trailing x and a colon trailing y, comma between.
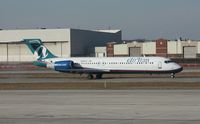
x: 63, y: 65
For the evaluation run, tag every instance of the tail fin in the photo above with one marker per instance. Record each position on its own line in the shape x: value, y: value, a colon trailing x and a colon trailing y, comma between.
x: 38, y: 49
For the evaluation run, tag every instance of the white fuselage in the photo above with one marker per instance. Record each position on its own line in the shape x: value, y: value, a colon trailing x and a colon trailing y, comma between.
x: 122, y: 64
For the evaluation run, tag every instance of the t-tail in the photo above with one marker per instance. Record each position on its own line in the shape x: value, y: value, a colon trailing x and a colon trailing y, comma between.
x: 38, y: 49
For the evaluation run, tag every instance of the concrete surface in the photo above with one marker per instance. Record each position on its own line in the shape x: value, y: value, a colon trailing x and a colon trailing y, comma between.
x: 46, y: 79
x: 100, y: 107
x: 47, y: 76
x: 85, y: 80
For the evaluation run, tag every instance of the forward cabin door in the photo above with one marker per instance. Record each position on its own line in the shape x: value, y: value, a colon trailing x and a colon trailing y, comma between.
x: 159, y: 65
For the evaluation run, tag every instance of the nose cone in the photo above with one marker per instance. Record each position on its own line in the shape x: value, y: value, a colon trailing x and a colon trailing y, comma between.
x: 178, y: 68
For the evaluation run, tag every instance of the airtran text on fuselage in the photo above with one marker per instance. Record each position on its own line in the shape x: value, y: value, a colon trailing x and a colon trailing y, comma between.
x: 138, y: 60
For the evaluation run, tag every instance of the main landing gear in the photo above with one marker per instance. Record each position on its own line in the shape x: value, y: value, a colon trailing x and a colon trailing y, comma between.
x: 98, y: 76
x: 90, y: 76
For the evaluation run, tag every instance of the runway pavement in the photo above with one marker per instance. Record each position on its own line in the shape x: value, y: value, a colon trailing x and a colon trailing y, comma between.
x: 108, y: 80
x: 50, y: 76
x: 48, y: 79
x: 100, y: 107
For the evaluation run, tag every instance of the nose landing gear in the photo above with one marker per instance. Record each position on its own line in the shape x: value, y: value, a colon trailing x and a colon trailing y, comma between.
x: 172, y: 75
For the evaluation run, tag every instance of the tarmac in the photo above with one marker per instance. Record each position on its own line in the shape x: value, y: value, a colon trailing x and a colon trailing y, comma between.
x: 99, y: 106
x: 48, y: 79
x: 48, y: 97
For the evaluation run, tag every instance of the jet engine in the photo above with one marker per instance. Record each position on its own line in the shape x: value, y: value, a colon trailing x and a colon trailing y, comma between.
x: 63, y: 66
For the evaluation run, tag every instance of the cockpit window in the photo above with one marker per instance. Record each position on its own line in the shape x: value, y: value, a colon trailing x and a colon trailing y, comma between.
x: 169, y: 61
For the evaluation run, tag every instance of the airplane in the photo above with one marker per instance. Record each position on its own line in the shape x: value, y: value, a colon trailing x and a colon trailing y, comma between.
x: 97, y: 66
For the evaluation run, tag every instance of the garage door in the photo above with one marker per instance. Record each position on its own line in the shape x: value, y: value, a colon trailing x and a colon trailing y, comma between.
x: 13, y: 52
x: 189, y: 52
x: 134, y: 51
x: 3, y: 53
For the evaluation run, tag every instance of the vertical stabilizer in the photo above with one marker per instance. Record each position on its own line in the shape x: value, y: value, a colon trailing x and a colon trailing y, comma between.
x: 38, y: 49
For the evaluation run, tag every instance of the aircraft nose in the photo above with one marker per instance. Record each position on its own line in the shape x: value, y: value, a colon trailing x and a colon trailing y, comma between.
x: 179, y: 69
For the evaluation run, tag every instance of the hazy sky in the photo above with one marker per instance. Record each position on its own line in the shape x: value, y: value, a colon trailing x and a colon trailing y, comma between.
x: 148, y: 19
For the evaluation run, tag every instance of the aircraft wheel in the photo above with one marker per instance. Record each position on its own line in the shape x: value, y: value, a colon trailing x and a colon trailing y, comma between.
x: 172, y: 75
x: 90, y: 76
x: 99, y: 76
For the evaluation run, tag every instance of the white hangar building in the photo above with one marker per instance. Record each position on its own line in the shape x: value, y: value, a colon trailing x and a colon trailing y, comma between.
x: 61, y: 42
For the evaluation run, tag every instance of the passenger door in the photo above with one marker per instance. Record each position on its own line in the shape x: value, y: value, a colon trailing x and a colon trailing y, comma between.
x: 159, y: 65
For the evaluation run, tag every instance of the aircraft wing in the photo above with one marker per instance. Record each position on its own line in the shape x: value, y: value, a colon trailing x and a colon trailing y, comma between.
x: 87, y: 70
